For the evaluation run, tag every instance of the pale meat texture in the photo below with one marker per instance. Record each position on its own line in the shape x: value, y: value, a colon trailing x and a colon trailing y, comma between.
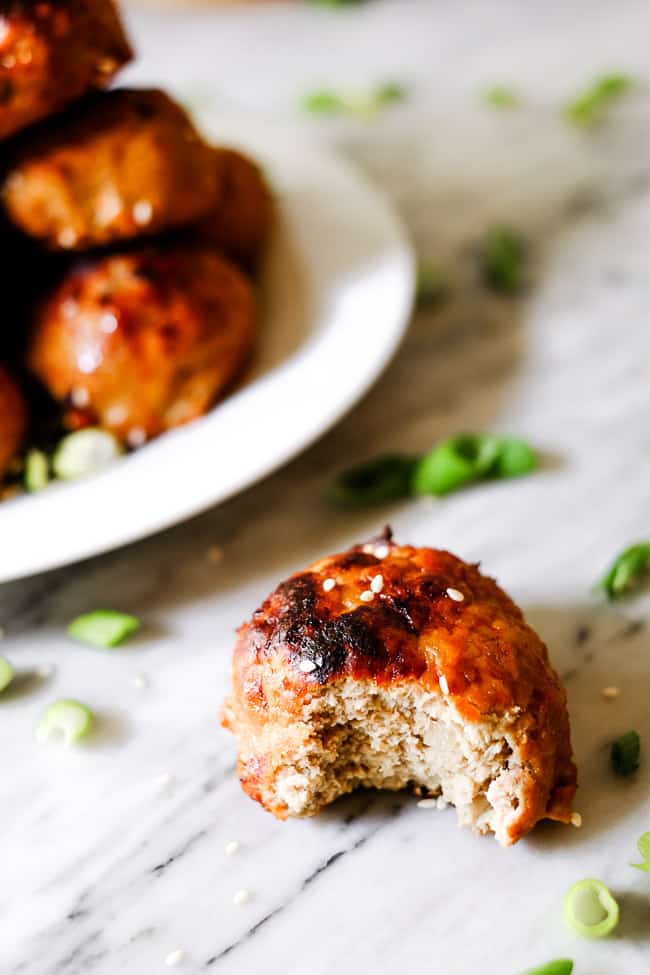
x: 121, y: 164
x: 52, y: 52
x: 390, y: 666
x: 144, y: 341
x: 13, y: 421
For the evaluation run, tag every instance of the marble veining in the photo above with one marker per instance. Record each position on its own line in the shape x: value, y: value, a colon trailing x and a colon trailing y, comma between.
x: 113, y: 856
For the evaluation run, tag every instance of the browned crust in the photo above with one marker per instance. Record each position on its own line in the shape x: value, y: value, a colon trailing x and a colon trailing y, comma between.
x: 493, y: 662
x: 240, y: 223
x: 53, y: 51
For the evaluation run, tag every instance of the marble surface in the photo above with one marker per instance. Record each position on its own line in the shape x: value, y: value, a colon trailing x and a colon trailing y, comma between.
x: 113, y: 856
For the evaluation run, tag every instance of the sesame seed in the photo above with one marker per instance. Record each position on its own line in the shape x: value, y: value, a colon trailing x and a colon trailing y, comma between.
x: 377, y: 583
x: 610, y: 692
x: 139, y: 681
x: 164, y: 779
x: 114, y: 415
x: 241, y: 897
x: 444, y: 686
x: 455, y: 594
x: 381, y: 551
x: 576, y: 820
x: 231, y: 848
x: 142, y: 212
x: 367, y: 596
x: 108, y: 322
x: 88, y: 360
x: 214, y: 554
x: 307, y: 666
x: 136, y: 437
x: 79, y: 397
x: 427, y: 804
x: 328, y: 585
x: 174, y: 957
x: 67, y: 238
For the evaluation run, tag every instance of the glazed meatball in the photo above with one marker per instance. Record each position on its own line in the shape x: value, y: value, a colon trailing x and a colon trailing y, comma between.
x: 53, y: 51
x: 122, y: 164
x: 239, y: 225
x: 388, y: 666
x: 145, y: 341
x: 13, y: 420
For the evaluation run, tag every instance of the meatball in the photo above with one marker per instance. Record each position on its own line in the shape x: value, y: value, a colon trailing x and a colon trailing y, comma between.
x: 121, y: 164
x: 144, y: 341
x: 388, y: 666
x: 13, y: 420
x: 51, y: 52
x: 239, y: 224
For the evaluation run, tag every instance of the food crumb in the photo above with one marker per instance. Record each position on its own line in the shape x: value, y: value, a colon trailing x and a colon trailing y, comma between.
x: 139, y: 681
x: 174, y: 957
x: 576, y: 820
x: 610, y: 692
x: 241, y: 897
x: 214, y: 554
x: 231, y: 847
x: 427, y: 804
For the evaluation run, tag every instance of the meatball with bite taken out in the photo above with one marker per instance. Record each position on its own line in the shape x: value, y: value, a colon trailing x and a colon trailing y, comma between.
x: 52, y: 52
x: 144, y: 341
x: 389, y: 666
x: 13, y: 421
x: 239, y: 225
x: 119, y: 165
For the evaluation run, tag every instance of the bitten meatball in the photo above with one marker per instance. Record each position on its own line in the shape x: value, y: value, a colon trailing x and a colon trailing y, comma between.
x: 122, y: 164
x: 13, y: 420
x: 388, y: 666
x: 53, y: 51
x: 144, y: 341
x: 239, y: 224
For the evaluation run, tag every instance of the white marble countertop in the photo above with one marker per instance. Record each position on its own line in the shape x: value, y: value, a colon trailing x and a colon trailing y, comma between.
x: 113, y: 855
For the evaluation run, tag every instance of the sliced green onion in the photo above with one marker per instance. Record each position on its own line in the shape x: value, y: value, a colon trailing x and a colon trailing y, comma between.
x: 626, y: 753
x: 432, y: 285
x: 390, y: 92
x: 326, y: 101
x: 6, y: 673
x: 385, y: 478
x: 516, y: 458
x: 499, y: 96
x: 67, y: 719
x: 626, y: 569
x: 103, y: 627
x: 37, y: 471
x: 502, y: 257
x: 588, y: 108
x: 590, y: 909
x: 562, y: 966
x: 85, y: 452
x: 643, y: 846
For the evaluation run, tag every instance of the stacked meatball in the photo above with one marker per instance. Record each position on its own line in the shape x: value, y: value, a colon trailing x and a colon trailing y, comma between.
x: 128, y: 242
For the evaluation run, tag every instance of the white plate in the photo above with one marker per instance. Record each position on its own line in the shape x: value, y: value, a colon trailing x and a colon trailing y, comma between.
x: 336, y: 297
